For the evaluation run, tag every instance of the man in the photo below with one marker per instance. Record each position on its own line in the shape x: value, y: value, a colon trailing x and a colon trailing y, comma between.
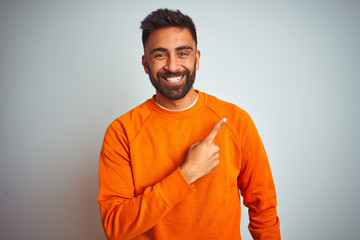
x: 172, y: 167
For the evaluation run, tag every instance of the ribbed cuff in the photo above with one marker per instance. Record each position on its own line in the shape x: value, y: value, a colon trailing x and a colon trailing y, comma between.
x: 174, y: 188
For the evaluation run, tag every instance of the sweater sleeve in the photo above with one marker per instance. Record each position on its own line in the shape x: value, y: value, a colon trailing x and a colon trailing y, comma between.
x: 124, y: 215
x: 256, y: 184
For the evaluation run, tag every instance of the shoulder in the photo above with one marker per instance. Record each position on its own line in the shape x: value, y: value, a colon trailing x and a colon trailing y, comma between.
x: 225, y: 109
x: 130, y: 123
x: 238, y: 121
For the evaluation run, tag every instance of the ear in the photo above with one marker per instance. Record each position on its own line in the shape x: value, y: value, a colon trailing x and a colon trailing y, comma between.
x: 144, y: 63
x: 197, y: 59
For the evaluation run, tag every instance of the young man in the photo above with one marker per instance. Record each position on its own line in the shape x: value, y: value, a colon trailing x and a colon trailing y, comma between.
x: 172, y: 167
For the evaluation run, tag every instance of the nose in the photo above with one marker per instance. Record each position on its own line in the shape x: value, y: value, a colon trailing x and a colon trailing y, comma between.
x: 172, y: 63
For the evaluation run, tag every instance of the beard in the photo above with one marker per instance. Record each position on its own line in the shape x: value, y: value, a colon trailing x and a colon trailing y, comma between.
x: 173, y: 92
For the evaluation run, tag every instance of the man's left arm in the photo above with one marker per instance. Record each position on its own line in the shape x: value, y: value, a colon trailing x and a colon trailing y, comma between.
x: 256, y: 184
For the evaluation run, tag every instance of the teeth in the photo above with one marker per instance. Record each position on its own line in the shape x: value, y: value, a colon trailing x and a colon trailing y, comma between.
x: 173, y: 79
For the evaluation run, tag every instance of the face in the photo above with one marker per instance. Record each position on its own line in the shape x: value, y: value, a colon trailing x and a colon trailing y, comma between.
x: 171, y: 60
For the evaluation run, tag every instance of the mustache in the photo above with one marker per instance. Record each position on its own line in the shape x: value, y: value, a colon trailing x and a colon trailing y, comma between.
x: 172, y: 74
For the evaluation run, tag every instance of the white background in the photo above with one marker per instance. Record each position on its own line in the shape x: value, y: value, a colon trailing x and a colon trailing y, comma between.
x: 68, y: 68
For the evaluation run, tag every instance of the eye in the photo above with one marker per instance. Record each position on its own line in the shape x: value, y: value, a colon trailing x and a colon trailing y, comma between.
x: 159, y: 55
x: 183, y: 54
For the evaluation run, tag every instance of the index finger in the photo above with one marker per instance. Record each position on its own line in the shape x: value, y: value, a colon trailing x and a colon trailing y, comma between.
x: 215, y: 130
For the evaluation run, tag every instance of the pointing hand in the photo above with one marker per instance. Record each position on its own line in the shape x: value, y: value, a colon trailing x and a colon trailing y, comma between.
x: 202, y: 157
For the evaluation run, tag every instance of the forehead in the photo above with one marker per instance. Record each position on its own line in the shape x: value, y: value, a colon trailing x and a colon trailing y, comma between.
x: 169, y: 38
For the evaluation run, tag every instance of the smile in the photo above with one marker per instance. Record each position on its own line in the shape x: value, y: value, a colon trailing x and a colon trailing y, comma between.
x: 174, y: 79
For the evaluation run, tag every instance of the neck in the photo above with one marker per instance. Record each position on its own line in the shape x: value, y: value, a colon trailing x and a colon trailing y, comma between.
x: 177, y: 104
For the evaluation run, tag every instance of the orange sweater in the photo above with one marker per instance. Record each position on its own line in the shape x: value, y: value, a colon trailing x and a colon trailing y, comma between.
x: 143, y: 194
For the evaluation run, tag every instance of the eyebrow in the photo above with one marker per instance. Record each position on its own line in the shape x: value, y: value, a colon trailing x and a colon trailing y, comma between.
x: 160, y: 49
x: 183, y: 48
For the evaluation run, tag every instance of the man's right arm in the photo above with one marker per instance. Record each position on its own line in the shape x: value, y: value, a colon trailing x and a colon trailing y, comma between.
x: 124, y: 215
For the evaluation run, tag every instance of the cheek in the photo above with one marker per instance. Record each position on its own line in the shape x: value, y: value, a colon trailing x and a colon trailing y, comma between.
x: 193, y: 66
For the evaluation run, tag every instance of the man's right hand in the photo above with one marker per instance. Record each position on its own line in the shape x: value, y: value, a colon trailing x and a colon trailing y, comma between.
x: 202, y: 157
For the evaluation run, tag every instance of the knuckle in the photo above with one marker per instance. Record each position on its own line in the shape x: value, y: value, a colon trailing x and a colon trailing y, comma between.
x: 215, y: 148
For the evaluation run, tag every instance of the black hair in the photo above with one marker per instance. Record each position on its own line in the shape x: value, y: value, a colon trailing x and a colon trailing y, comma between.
x: 164, y: 18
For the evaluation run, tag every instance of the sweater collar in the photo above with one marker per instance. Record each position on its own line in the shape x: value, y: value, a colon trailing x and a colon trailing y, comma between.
x: 181, y: 113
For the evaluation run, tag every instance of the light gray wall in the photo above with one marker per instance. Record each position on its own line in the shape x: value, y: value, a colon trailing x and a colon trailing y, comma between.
x: 68, y: 68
